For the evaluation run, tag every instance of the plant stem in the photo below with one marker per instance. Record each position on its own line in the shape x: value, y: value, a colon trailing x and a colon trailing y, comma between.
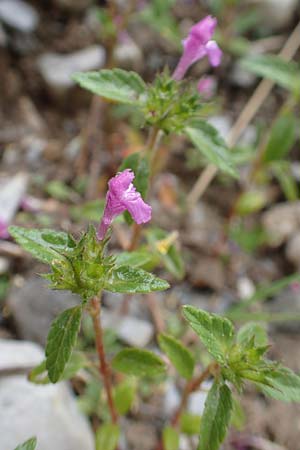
x: 104, y: 369
x: 252, y: 106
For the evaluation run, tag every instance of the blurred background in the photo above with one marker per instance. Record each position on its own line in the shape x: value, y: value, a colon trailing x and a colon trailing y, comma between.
x: 237, y: 250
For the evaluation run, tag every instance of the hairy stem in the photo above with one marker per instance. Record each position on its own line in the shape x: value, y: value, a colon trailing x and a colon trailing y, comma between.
x: 104, y: 369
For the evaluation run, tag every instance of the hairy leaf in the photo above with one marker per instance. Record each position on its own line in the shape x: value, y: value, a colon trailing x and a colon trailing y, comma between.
x: 28, y: 445
x: 140, y: 363
x: 130, y: 280
x: 61, y: 340
x: 215, y: 332
x: 208, y: 141
x: 170, y: 438
x: 179, y: 355
x: 284, y: 385
x: 116, y: 84
x: 216, y: 417
x: 107, y: 437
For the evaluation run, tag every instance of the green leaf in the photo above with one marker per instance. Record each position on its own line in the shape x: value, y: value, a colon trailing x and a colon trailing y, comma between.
x: 190, y: 423
x: 208, y: 141
x: 107, y: 437
x: 44, y: 244
x: 136, y: 259
x: 282, y: 138
x: 77, y: 361
x: 250, y: 330
x: 61, y: 340
x: 170, y: 438
x: 28, y: 445
x: 116, y: 84
x: 124, y: 394
x: 250, y: 202
x: 284, y: 385
x: 282, y: 171
x: 216, y: 417
x: 215, y: 332
x: 130, y: 281
x: 285, y: 74
x: 179, y: 355
x: 140, y: 363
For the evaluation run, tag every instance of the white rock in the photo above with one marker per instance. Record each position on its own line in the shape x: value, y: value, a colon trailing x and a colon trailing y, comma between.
x: 19, y: 354
x: 245, y: 287
x: 131, y: 330
x: 48, y: 412
x: 172, y: 398
x: 18, y: 15
x: 197, y: 399
x: 222, y: 124
x: 282, y: 221
x: 11, y: 194
x: 4, y: 265
x: 128, y: 54
x: 57, y: 69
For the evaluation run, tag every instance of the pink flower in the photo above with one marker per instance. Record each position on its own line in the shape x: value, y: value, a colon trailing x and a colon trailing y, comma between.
x: 206, y: 87
x: 197, y: 45
x: 122, y: 196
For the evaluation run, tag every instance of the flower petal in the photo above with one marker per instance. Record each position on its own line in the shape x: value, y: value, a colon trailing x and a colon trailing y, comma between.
x: 214, y: 53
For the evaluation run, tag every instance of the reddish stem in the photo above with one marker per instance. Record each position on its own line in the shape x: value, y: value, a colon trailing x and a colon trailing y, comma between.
x: 104, y: 368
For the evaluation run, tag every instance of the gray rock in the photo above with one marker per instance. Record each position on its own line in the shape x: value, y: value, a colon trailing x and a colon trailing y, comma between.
x: 19, y: 354
x: 19, y: 15
x: 287, y: 301
x: 11, y: 194
x: 275, y: 14
x: 4, y: 265
x: 48, y: 412
x: 34, y: 306
x: 128, y: 55
x: 281, y: 222
x: 131, y: 330
x: 241, y: 77
x: 57, y: 69
x: 172, y: 398
x: 292, y: 250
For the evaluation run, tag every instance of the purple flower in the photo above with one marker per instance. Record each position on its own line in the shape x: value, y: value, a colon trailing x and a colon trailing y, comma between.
x: 4, y: 234
x: 206, y: 87
x: 197, y: 45
x: 122, y: 196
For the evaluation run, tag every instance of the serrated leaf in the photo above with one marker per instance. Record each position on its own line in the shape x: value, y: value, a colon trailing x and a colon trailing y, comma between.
x: 215, y: 332
x: 282, y: 138
x: 170, y: 438
x: 208, y: 141
x: 77, y: 361
x: 250, y: 330
x: 179, y: 355
x: 140, y: 363
x: 130, y: 280
x: 284, y: 385
x: 44, y: 244
x: 285, y: 73
x: 124, y: 394
x: 107, y: 437
x: 28, y: 445
x: 190, y: 423
x: 216, y: 417
x: 116, y: 84
x: 61, y: 340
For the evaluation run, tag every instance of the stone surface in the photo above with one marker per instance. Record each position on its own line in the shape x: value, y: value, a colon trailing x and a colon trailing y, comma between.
x: 282, y: 221
x: 292, y: 250
x: 275, y: 14
x: 171, y: 399
x: 207, y: 271
x: 131, y: 330
x: 4, y: 265
x: 57, y: 69
x: 11, y: 193
x: 48, y: 412
x: 19, y: 354
x: 34, y: 306
x: 128, y: 55
x: 19, y: 15
x: 286, y: 302
x: 197, y: 399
